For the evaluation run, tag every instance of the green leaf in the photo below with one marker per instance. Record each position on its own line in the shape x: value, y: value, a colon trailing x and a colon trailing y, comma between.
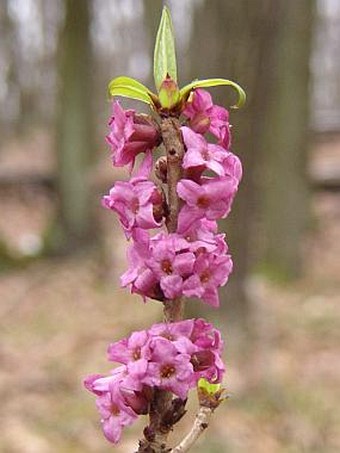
x: 130, y: 88
x: 208, y: 387
x: 164, y: 60
x: 214, y: 83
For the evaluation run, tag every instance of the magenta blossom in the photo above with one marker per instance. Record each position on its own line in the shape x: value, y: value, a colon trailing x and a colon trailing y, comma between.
x: 173, y: 331
x: 130, y: 135
x: 170, y: 263
x: 113, y: 408
x: 204, y: 116
x: 210, y: 272
x: 133, y: 352
x: 232, y: 166
x: 201, y: 154
x: 138, y: 202
x: 158, y: 265
x: 169, y: 369
x: 205, y: 336
x: 139, y: 277
x: 211, y: 200
x: 202, y: 237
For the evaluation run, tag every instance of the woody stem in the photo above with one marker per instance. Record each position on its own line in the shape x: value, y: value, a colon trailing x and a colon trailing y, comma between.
x: 174, y: 147
x: 157, y: 431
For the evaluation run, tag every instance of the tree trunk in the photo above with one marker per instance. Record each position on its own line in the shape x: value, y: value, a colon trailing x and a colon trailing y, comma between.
x: 74, y: 141
x: 286, y: 142
x: 236, y: 40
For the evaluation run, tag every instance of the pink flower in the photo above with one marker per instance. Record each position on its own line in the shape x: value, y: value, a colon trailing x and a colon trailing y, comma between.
x: 170, y: 263
x: 201, y: 154
x: 205, y: 336
x: 212, y: 199
x: 133, y: 352
x: 210, y: 272
x: 136, y: 201
x: 168, y: 369
x: 232, y: 166
x: 204, y: 116
x: 140, y: 278
x: 202, y: 237
x: 207, y: 362
x: 114, y: 411
x: 130, y: 135
x: 172, y: 331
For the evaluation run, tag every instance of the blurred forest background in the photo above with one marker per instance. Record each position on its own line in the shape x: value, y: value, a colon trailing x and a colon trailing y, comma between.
x: 61, y: 255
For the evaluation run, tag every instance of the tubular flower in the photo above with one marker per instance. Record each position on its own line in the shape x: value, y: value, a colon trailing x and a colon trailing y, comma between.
x: 204, y: 116
x: 212, y: 199
x: 138, y: 203
x: 130, y: 134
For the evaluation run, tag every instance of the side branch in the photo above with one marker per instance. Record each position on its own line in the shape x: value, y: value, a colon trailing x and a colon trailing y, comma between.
x: 201, y: 423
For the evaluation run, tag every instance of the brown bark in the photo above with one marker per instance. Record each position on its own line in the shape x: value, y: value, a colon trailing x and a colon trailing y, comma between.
x: 163, y: 408
x: 172, y: 139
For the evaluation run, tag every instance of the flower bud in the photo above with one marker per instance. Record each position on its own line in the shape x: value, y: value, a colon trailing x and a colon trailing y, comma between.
x: 161, y: 169
x: 169, y: 94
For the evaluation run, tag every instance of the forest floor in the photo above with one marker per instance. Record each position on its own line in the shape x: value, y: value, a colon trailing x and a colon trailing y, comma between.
x: 58, y: 315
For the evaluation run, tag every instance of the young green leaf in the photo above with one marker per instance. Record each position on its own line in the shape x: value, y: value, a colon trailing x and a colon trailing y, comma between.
x: 131, y: 88
x: 208, y: 387
x: 164, y: 62
x: 213, y: 83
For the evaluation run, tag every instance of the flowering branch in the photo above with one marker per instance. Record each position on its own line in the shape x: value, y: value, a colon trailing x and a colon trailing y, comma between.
x: 159, y: 365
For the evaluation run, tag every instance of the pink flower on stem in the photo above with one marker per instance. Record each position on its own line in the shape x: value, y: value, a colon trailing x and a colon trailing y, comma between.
x: 202, y: 237
x: 204, y: 116
x: 168, y: 369
x: 140, y: 278
x: 210, y: 272
x: 232, y: 166
x: 172, y: 331
x: 201, y: 154
x: 170, y: 263
x: 133, y: 352
x: 130, y: 135
x: 212, y: 199
x: 204, y: 335
x: 136, y: 201
x: 113, y: 408
x: 207, y: 362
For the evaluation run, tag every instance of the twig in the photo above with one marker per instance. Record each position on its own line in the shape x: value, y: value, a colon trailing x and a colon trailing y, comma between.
x: 201, y: 423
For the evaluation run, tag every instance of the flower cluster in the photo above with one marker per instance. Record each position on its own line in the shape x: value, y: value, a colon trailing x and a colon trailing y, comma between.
x: 167, y: 356
x: 192, y: 262
x: 167, y: 266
